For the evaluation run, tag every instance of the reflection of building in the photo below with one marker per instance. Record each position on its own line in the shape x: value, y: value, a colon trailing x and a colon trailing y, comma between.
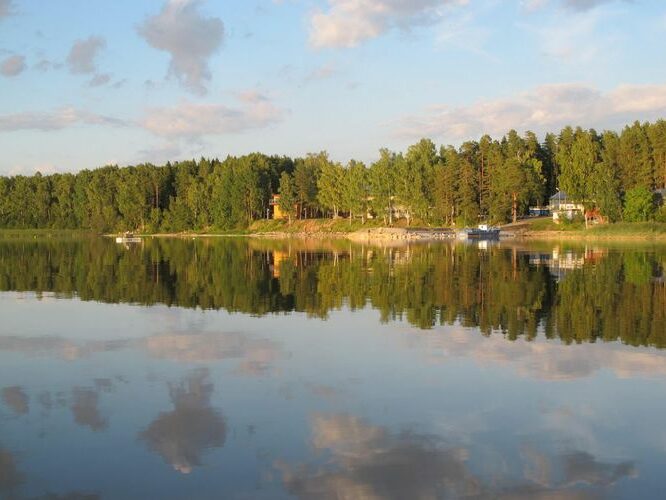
x: 398, y: 211
x: 561, y: 262
x: 278, y: 258
x: 563, y: 207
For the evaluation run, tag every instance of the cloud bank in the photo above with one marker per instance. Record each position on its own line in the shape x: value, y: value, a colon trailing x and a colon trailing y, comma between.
x: 544, y: 108
x: 188, y: 37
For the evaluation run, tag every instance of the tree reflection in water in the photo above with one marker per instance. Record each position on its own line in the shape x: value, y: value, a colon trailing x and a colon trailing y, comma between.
x: 577, y: 294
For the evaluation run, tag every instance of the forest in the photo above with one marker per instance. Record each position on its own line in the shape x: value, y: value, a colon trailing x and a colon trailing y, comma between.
x: 493, y: 180
x: 609, y: 295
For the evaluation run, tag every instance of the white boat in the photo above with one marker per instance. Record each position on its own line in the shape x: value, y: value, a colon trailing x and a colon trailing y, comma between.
x: 484, y: 232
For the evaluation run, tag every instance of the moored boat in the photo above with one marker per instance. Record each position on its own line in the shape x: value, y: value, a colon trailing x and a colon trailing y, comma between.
x: 483, y: 231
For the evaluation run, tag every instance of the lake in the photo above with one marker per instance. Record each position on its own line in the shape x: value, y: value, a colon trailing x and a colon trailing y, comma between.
x: 234, y: 368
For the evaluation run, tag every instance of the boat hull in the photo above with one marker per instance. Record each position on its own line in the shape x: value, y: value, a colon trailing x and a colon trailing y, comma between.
x: 479, y: 234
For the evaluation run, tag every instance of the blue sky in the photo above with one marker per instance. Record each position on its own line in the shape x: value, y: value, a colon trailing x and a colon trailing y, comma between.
x: 86, y: 83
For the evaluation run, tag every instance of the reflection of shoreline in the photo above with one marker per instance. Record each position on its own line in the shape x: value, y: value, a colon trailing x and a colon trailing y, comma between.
x: 503, y: 286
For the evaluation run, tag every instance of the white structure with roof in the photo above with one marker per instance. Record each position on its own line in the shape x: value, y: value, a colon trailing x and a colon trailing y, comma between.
x: 561, y: 206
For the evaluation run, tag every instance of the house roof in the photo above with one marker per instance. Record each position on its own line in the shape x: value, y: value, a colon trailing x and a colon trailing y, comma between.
x: 559, y: 196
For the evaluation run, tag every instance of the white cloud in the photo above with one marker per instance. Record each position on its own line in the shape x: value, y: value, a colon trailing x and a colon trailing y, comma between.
x: 82, y: 55
x: 347, y: 23
x: 54, y: 120
x: 544, y: 108
x: 189, y: 37
x: 12, y: 66
x: 193, y: 121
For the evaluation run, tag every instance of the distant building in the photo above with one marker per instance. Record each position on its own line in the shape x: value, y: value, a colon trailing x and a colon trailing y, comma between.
x: 561, y: 206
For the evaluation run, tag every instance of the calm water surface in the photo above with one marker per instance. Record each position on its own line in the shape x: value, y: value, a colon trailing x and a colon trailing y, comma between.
x: 250, y: 369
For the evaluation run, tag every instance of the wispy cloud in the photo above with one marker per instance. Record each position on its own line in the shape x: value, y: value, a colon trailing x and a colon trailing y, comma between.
x: 55, y: 120
x: 579, y: 40
x: 12, y: 66
x: 347, y: 23
x: 543, y: 108
x: 189, y: 38
x: 192, y: 121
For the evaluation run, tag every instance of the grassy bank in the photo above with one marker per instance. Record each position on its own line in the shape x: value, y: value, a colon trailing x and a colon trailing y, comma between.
x: 44, y: 233
x: 618, y: 231
x: 542, y: 228
x: 310, y: 226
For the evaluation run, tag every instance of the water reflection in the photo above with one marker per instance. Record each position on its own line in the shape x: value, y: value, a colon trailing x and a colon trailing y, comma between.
x: 418, y: 371
x: 84, y: 406
x: 10, y: 478
x: 181, y: 435
x: 256, y: 355
x: 16, y: 398
x: 539, y: 359
x: 578, y: 294
x: 370, y: 462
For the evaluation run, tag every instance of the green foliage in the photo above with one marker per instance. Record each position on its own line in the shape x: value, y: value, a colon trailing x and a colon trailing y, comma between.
x: 288, y: 199
x: 382, y: 180
x: 330, y: 185
x: 639, y: 205
x: 489, y: 179
x: 355, y: 190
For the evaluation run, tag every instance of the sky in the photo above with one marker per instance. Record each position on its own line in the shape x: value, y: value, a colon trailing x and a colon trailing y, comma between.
x: 86, y: 83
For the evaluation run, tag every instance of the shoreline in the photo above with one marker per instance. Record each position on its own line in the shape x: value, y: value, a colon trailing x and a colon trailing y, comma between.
x: 321, y: 230
x: 393, y: 234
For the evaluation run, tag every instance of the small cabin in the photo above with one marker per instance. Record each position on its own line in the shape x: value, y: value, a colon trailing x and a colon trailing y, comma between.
x: 562, y: 206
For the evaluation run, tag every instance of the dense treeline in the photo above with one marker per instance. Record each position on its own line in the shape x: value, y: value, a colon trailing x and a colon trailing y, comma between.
x: 491, y: 179
x: 608, y: 295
